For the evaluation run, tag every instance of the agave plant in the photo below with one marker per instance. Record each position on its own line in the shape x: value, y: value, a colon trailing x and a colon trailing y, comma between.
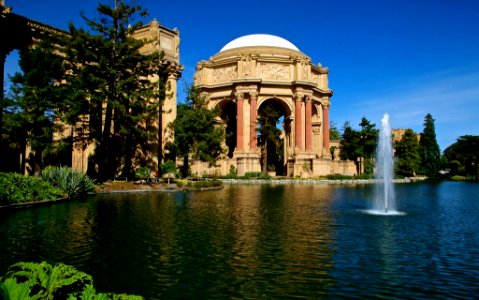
x: 73, y: 183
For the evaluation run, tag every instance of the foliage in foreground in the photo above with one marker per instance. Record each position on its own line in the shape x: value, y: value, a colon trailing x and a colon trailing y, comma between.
x: 73, y: 183
x: 28, y: 280
x: 17, y: 188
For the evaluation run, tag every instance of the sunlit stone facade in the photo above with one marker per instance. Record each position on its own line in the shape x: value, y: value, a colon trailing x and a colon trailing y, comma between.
x: 252, y: 70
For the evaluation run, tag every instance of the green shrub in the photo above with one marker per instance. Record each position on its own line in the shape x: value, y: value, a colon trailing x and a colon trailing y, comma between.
x: 28, y: 280
x: 251, y: 175
x: 231, y: 176
x: 255, y: 175
x: 206, y: 183
x: 17, y: 188
x: 143, y: 173
x: 338, y: 177
x: 180, y: 183
x: 364, y: 176
x: 168, y: 167
x: 72, y: 183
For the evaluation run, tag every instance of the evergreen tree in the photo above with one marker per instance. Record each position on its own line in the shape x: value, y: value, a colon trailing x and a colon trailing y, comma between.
x: 198, y: 131
x: 36, y: 95
x: 407, y: 154
x: 334, y: 133
x: 111, y: 83
x: 429, y: 149
x: 368, y: 143
x: 350, y: 146
x: 270, y: 137
x: 463, y: 156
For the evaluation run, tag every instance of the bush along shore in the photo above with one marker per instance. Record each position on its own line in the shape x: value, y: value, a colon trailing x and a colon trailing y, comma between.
x: 55, y: 184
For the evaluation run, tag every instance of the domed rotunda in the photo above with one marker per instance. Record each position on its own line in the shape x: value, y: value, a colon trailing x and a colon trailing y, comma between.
x: 257, y: 71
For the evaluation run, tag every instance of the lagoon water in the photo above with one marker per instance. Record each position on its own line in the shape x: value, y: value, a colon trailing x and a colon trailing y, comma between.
x: 305, y: 241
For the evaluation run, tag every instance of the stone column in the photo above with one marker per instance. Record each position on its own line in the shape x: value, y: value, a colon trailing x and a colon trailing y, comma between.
x: 239, y: 121
x: 298, y: 133
x: 326, y: 152
x: 254, y: 121
x: 307, y: 124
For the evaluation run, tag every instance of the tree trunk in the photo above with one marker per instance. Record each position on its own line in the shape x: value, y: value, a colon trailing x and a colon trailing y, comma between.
x: 127, y: 166
x: 104, y: 161
x: 184, y: 171
x: 265, y: 157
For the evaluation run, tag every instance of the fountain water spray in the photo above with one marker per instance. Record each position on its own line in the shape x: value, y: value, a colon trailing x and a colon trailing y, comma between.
x: 385, y: 196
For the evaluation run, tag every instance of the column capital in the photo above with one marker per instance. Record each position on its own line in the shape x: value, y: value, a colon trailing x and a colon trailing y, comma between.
x: 307, y: 98
x: 325, y: 103
x: 253, y: 95
x: 298, y: 97
x: 239, y: 95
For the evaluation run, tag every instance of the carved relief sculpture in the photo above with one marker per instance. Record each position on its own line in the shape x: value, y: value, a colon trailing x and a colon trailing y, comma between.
x: 274, y: 71
x: 225, y: 74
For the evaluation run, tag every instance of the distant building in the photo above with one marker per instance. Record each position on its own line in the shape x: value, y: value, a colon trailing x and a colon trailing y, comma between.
x: 398, y: 134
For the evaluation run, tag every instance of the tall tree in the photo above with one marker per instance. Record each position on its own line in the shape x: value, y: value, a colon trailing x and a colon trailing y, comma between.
x: 119, y: 96
x: 334, y: 133
x: 269, y: 133
x: 368, y: 143
x: 350, y: 145
x: 198, y: 131
x: 36, y: 95
x: 407, y: 154
x: 463, y: 156
x: 429, y: 149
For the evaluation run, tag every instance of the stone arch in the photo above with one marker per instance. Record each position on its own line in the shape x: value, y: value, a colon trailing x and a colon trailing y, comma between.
x: 276, y: 152
x: 287, y: 103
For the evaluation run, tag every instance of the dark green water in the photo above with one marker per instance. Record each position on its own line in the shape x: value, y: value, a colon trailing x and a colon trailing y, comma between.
x: 264, y: 241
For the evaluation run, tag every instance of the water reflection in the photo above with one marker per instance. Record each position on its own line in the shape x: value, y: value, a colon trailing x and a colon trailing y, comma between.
x: 264, y: 241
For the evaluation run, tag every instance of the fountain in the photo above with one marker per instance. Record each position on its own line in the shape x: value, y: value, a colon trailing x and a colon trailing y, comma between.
x: 384, y: 202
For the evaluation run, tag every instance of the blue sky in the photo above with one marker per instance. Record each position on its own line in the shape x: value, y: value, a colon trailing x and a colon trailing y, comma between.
x: 407, y: 58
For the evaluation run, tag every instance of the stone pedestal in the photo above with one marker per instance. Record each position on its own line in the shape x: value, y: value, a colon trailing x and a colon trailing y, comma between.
x: 301, y: 165
x: 247, y: 162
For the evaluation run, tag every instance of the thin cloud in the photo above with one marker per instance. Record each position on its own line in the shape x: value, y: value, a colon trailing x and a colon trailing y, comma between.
x: 450, y: 96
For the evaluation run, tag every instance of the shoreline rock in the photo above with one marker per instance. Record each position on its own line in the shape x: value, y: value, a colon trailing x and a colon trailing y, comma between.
x: 309, y: 181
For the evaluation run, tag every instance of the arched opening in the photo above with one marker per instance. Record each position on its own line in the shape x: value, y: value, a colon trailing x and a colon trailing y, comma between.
x: 228, y: 116
x: 274, y: 132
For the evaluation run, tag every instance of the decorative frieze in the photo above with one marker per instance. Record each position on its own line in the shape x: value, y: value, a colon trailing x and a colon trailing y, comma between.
x: 225, y: 74
x: 274, y: 71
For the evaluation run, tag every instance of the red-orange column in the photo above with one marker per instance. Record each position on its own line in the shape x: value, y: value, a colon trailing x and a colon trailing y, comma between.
x: 253, y: 116
x: 239, y: 122
x: 298, y: 134
x: 326, y: 128
x: 307, y: 124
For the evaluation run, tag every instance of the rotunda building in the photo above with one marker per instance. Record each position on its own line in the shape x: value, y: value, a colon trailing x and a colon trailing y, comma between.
x: 259, y: 70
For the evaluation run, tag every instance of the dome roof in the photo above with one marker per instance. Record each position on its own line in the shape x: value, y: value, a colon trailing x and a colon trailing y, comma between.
x: 254, y: 40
